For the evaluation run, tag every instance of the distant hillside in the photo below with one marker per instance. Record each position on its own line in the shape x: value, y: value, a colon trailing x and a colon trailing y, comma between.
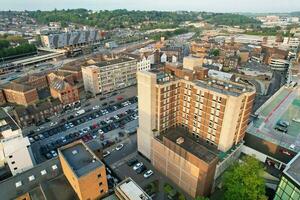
x: 230, y: 19
x: 115, y: 19
x: 295, y: 14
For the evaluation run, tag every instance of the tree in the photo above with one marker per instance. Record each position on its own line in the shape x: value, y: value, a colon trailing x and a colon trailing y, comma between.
x: 244, y: 181
x: 215, y: 52
x: 201, y: 198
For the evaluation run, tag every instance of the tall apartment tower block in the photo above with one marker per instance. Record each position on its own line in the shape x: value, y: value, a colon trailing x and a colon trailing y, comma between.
x: 184, y: 121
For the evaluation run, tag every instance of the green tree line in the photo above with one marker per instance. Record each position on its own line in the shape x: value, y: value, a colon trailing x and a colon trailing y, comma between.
x: 15, y: 51
x: 229, y: 19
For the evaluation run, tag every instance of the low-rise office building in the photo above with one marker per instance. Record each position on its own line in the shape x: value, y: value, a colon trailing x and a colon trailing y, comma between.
x: 130, y: 190
x: 271, y: 142
x: 289, y: 186
x: 51, y: 179
x: 15, y: 149
x: 279, y: 64
x: 107, y: 76
x: 84, y: 171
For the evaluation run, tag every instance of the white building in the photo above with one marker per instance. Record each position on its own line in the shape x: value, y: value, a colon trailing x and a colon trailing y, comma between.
x: 279, y: 64
x: 70, y: 39
x: 143, y: 61
x: 108, y: 76
x: 14, y: 148
x: 130, y: 190
x: 143, y: 64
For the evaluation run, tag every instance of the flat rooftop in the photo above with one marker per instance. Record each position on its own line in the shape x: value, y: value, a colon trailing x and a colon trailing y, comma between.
x: 43, y: 181
x: 293, y: 169
x: 9, y: 122
x: 224, y: 87
x: 132, y: 190
x: 113, y: 62
x: 197, y: 147
x: 283, y: 105
x: 80, y: 158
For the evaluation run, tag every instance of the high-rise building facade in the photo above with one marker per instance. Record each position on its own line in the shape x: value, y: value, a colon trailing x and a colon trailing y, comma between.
x: 211, y: 113
x: 213, y: 110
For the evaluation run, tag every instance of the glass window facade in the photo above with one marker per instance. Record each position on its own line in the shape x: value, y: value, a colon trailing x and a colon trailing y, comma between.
x: 287, y: 191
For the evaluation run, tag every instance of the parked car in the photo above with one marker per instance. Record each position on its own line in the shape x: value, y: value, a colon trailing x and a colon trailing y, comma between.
x: 137, y: 165
x: 105, y: 154
x: 132, y: 162
x: 119, y: 147
x: 148, y: 173
x: 141, y: 169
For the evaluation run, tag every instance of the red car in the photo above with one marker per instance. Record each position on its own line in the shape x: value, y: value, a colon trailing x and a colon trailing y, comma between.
x: 85, y: 138
x: 119, y: 98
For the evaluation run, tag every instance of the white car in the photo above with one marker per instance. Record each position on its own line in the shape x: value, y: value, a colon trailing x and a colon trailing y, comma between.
x: 148, y: 173
x: 137, y: 165
x: 96, y: 107
x: 31, y: 140
x: 54, y: 154
x: 53, y: 123
x: 292, y: 146
x: 119, y: 147
x: 105, y: 154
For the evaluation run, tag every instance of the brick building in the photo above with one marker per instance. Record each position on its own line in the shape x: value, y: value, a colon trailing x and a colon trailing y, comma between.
x: 66, y: 92
x: 37, y: 80
x: 20, y: 94
x: 26, y: 116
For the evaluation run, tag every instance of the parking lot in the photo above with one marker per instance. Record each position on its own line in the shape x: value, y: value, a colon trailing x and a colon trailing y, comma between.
x: 86, y: 104
x: 107, y: 123
x: 123, y: 169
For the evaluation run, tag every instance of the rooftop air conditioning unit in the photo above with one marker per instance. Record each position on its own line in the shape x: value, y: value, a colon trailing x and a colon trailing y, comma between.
x: 74, y: 152
x: 180, y: 140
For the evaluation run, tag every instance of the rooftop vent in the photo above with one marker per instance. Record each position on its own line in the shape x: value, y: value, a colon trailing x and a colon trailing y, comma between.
x: 230, y: 85
x: 74, y: 152
x: 180, y: 140
x: 226, y: 87
x: 18, y: 184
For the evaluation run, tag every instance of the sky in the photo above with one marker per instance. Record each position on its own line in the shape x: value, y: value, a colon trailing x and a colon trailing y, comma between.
x: 190, y: 5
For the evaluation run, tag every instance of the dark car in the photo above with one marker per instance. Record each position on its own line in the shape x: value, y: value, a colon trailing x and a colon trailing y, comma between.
x: 281, y: 129
x: 132, y: 162
x: 141, y: 169
x: 104, y: 104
